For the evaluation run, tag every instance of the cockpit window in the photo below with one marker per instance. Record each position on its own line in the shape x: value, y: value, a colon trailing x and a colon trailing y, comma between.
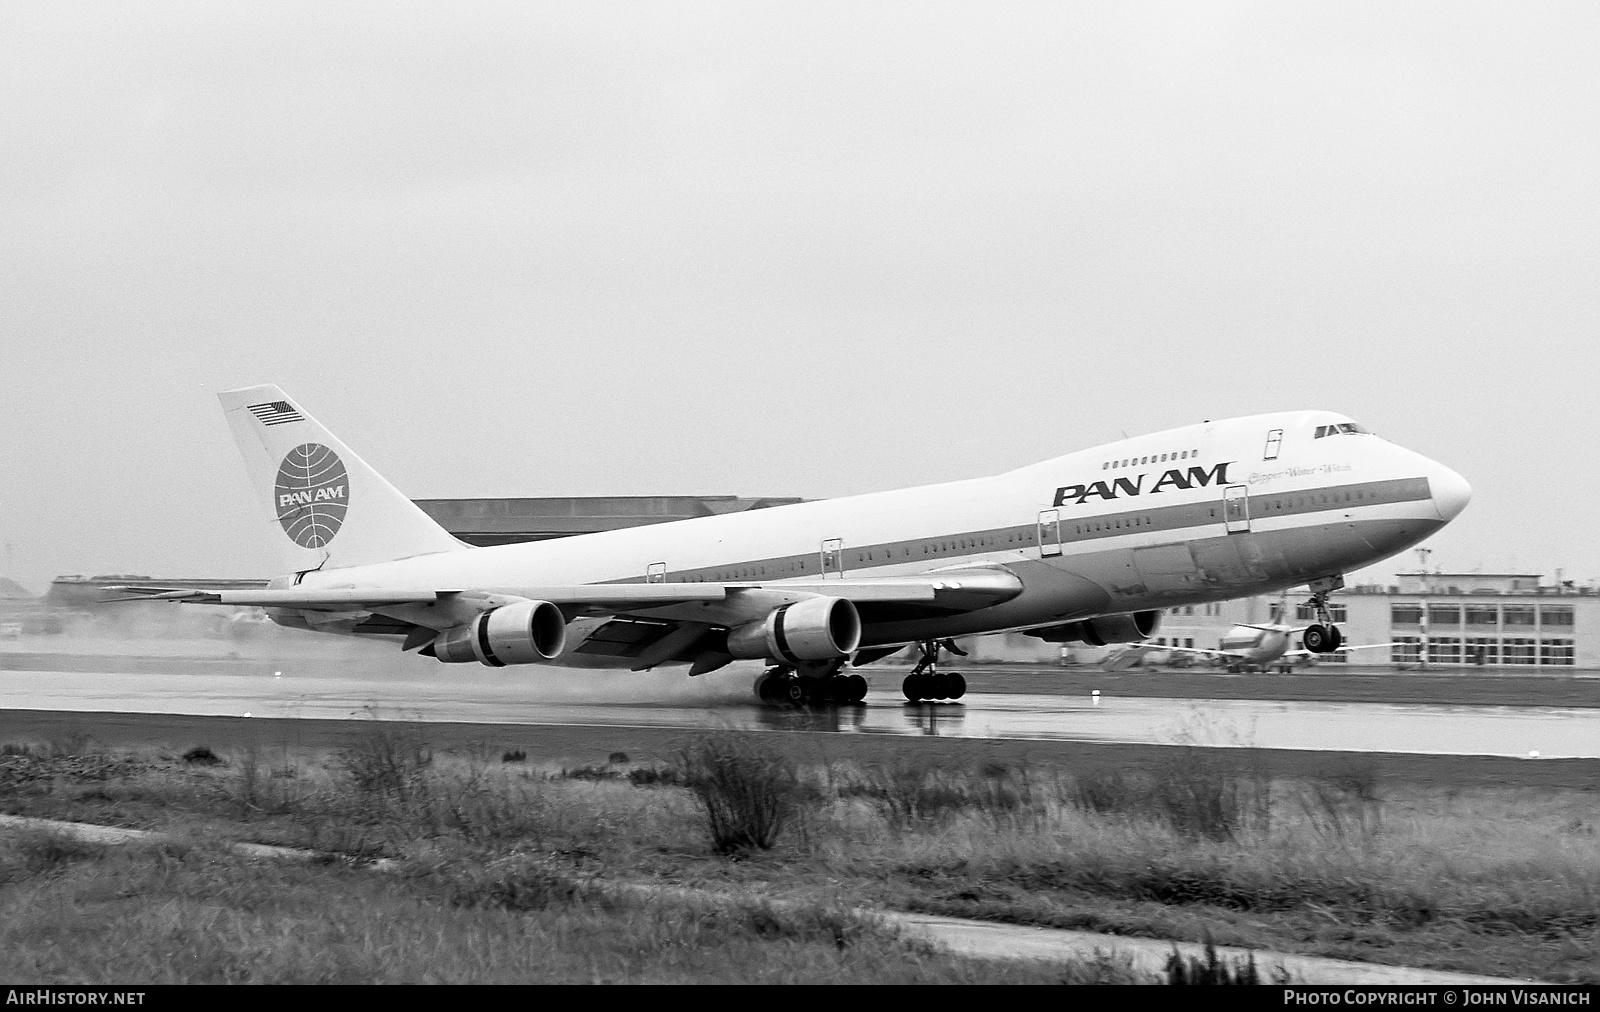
x: 1341, y: 429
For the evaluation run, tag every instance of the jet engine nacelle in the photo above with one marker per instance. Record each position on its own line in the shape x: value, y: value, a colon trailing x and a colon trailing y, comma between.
x: 1130, y: 627
x: 523, y: 633
x: 816, y: 629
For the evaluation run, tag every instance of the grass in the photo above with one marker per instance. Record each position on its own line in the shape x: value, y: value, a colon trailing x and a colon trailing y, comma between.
x: 196, y: 917
x: 505, y: 870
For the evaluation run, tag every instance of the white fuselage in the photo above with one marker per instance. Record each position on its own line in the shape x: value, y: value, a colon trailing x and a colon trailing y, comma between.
x: 1201, y: 513
x: 1254, y: 646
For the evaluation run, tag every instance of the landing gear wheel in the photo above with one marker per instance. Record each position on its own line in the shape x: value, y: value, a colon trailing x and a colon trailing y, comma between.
x: 1322, y: 636
x: 857, y: 689
x: 770, y: 684
x: 926, y: 681
x: 794, y: 690
x: 1316, y: 639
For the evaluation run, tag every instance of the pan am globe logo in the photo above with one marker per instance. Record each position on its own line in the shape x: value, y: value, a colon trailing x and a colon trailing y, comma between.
x: 312, y: 495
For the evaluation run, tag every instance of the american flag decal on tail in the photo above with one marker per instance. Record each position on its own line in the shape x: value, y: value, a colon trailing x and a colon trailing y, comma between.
x: 276, y: 413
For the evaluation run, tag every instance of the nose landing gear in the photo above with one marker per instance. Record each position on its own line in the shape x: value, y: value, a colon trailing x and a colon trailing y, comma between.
x: 926, y: 681
x: 1322, y: 636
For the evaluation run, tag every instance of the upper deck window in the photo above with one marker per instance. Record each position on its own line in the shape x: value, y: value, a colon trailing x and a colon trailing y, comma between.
x: 1341, y: 429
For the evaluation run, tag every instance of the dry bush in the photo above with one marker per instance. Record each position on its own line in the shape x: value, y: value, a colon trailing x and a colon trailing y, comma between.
x: 1211, y: 970
x: 389, y: 765
x: 910, y: 793
x: 748, y: 789
x: 1198, y: 797
x: 201, y: 755
x: 1201, y: 801
x: 523, y: 887
x: 31, y: 852
x: 1345, y: 807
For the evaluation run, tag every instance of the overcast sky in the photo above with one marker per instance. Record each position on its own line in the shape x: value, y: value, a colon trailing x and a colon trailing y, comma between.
x: 797, y: 249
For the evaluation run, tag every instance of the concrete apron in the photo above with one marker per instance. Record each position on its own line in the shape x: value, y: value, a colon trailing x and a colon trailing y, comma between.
x: 974, y: 939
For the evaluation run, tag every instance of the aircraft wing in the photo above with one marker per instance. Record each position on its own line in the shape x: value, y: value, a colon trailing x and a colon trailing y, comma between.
x: 950, y: 591
x: 646, y: 623
x: 1201, y: 651
x: 1297, y: 654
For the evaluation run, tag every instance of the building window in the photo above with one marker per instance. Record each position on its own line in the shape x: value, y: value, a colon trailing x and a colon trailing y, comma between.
x: 1484, y: 615
x: 1337, y: 657
x: 1405, y: 650
x: 1555, y: 616
x: 1444, y: 614
x: 1405, y: 614
x: 1306, y: 613
x: 1517, y: 614
x: 1557, y: 653
x: 1517, y: 649
x: 1444, y: 650
x: 1482, y: 650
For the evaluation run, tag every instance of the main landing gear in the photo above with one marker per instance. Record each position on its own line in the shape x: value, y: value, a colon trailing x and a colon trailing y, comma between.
x: 1322, y: 636
x: 783, y: 684
x: 926, y: 681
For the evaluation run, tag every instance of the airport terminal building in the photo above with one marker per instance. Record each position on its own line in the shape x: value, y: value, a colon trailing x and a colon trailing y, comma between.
x: 1505, y: 621
x: 1495, y: 620
x: 1511, y: 622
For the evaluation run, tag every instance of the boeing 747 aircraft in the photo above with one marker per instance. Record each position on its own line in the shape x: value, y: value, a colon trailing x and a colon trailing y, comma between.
x: 1091, y: 547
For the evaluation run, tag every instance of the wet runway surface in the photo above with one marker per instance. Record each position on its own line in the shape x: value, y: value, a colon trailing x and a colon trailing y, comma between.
x: 674, y: 703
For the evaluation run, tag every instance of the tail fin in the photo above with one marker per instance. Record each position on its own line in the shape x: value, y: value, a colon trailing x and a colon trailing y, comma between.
x: 328, y: 508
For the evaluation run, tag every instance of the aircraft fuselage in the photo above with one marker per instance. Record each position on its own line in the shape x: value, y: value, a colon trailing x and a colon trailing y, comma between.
x: 1202, y: 513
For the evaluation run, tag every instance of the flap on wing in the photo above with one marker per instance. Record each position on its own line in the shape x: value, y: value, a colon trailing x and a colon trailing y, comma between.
x: 607, y: 597
x: 343, y: 599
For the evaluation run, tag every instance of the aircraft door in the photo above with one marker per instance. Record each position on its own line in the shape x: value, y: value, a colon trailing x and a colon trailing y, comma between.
x: 1274, y: 441
x: 833, y: 559
x: 656, y: 572
x: 1236, y: 508
x: 1049, y: 533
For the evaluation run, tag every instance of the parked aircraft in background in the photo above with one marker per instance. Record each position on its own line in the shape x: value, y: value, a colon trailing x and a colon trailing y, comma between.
x: 1245, y: 647
x: 1089, y: 547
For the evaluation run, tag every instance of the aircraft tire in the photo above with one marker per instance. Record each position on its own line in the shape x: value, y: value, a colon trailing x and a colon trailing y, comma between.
x: 912, y: 687
x: 958, y: 685
x: 794, y: 690
x: 1335, y: 638
x: 1315, y: 639
x: 857, y: 690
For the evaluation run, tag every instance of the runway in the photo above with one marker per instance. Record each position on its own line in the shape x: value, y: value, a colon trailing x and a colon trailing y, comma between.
x: 666, y: 700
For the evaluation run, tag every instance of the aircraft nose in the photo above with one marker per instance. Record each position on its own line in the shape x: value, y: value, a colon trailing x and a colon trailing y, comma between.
x: 1451, y: 493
